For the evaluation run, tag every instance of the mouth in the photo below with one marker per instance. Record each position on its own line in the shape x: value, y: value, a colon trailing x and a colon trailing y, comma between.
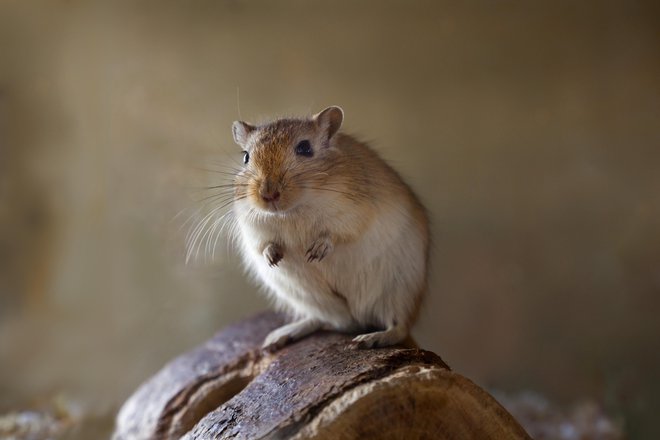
x: 272, y: 207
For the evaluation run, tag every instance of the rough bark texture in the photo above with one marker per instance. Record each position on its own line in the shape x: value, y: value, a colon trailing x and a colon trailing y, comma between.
x: 321, y: 387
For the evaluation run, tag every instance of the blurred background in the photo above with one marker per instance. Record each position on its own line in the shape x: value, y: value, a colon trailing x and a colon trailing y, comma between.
x: 531, y: 130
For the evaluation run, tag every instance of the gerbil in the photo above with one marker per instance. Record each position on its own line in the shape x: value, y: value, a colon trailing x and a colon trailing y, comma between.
x: 332, y: 231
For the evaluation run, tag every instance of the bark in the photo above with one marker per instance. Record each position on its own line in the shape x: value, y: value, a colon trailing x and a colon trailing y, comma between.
x: 320, y: 387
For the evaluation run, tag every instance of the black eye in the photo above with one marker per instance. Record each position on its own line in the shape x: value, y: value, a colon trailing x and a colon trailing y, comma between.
x: 246, y: 157
x: 304, y: 148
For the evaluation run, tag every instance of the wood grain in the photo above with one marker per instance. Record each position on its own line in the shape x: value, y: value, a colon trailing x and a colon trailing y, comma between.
x: 321, y: 387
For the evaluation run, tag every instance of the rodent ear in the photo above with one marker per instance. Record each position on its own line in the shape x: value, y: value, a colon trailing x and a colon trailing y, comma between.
x: 330, y: 119
x: 241, y: 131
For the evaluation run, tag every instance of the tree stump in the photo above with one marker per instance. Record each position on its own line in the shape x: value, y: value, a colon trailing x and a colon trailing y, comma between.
x: 318, y: 388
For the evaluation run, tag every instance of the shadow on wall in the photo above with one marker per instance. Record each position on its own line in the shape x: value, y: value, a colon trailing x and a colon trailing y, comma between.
x: 530, y: 131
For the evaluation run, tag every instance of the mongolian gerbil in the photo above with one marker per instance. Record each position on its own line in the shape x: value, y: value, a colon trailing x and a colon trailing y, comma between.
x: 332, y: 230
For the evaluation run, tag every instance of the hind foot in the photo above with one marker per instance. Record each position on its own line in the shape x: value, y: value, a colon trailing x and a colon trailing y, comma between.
x: 392, y: 336
x: 280, y: 337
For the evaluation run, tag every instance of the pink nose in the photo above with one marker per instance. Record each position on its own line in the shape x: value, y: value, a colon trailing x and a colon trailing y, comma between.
x: 273, y: 196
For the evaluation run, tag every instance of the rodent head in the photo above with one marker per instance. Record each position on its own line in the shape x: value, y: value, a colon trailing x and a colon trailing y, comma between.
x: 285, y: 159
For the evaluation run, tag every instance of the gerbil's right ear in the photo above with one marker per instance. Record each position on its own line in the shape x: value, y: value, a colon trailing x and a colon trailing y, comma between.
x: 241, y: 131
x: 330, y: 119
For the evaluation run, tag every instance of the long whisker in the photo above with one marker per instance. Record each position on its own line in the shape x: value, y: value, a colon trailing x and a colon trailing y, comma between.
x: 221, y: 193
x: 346, y: 193
x: 196, y: 211
x: 228, y: 185
x: 204, y: 229
x: 198, y: 230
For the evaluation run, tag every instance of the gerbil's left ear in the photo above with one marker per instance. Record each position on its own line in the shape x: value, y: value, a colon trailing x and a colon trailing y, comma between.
x: 330, y: 120
x: 241, y: 131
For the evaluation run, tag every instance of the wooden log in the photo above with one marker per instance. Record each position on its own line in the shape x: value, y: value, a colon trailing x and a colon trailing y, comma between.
x: 318, y: 388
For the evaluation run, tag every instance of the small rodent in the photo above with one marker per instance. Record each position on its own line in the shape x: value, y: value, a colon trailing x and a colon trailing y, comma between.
x: 330, y: 229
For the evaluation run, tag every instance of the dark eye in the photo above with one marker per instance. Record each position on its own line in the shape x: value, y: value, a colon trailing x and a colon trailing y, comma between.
x: 304, y: 148
x: 246, y: 157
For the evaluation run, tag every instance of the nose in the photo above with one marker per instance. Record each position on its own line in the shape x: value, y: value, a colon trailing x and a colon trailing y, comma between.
x: 269, y: 192
x: 271, y: 196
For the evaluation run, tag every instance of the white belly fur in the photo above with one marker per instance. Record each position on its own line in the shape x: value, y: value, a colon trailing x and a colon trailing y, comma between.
x: 372, y: 281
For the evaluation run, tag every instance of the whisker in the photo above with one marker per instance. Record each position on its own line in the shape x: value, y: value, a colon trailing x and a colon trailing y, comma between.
x: 214, y: 225
x: 227, y: 194
x: 228, y: 185
x: 318, y: 188
x: 205, y: 228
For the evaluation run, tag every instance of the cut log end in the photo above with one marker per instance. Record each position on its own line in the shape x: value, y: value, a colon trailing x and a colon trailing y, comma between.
x: 318, y: 388
x: 411, y: 403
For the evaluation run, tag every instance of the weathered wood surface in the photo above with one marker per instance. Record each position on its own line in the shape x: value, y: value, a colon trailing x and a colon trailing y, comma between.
x: 321, y: 387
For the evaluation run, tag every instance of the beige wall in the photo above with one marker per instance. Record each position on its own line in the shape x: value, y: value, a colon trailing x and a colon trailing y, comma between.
x: 530, y: 129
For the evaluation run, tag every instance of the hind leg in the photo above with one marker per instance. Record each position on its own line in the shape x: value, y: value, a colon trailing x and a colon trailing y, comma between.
x: 281, y: 336
x: 392, y: 335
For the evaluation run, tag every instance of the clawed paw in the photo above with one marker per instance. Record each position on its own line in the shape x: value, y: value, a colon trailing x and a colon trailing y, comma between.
x: 277, y: 339
x: 319, y: 249
x: 273, y: 254
x: 385, y: 338
x: 368, y: 340
x: 280, y: 337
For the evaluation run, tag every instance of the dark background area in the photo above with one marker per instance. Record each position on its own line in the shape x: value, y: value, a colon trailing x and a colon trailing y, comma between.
x: 529, y: 129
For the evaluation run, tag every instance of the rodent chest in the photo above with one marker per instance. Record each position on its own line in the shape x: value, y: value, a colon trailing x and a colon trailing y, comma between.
x: 294, y: 232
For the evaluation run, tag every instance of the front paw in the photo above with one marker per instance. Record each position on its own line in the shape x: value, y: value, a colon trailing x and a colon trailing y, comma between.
x: 273, y: 254
x: 319, y: 249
